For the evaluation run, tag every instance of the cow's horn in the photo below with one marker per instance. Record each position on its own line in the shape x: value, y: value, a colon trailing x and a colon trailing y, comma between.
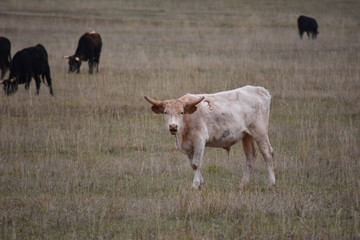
x: 66, y: 57
x: 77, y: 59
x: 194, y: 102
x: 154, y: 102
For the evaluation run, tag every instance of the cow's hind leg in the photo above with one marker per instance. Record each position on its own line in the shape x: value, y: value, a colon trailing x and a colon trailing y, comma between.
x: 301, y: 33
x: 250, y: 152
x: 97, y: 61
x: 91, y: 66
x: 27, y: 82
x: 262, y: 139
x: 38, y: 82
x: 50, y: 86
x: 313, y: 35
x: 48, y: 81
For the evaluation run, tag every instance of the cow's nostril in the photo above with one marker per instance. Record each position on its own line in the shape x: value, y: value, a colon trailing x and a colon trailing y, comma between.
x: 173, y: 127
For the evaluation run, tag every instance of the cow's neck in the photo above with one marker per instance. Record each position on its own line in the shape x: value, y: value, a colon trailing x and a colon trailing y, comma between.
x: 182, y: 142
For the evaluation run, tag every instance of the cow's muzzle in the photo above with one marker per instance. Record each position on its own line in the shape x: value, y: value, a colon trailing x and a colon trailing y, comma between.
x: 173, y: 129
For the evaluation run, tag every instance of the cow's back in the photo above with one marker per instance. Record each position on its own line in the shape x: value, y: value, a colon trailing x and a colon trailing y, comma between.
x: 29, y: 61
x: 42, y: 52
x: 41, y: 65
x: 230, y: 112
x: 5, y: 46
x: 90, y: 38
x: 39, y: 59
x: 21, y: 65
x: 89, y: 45
x: 245, y: 97
x: 307, y: 24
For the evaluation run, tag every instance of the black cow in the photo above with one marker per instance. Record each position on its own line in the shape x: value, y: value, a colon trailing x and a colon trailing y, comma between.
x: 5, y: 56
x: 89, y: 49
x: 308, y: 25
x: 27, y: 63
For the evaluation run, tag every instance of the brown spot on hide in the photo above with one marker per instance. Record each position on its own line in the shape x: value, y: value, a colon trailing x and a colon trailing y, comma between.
x: 184, y: 137
x: 225, y: 134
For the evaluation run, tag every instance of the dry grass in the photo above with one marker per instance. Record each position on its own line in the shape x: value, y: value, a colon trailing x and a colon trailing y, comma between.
x: 93, y: 162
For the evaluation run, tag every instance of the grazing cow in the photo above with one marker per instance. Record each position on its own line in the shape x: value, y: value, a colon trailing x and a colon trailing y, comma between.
x: 27, y: 63
x: 89, y: 49
x: 308, y: 25
x: 220, y: 120
x: 5, y: 56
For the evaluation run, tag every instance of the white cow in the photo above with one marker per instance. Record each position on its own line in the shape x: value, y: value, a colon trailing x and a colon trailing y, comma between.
x: 220, y: 120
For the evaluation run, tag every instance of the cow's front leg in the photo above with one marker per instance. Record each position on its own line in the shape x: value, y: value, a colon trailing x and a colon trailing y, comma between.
x: 195, y: 159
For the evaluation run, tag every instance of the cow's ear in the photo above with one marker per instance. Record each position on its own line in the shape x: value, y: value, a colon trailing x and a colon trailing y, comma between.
x: 157, y: 109
x: 190, y: 110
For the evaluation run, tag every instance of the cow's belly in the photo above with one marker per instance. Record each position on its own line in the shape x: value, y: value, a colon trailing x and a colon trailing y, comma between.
x: 225, y: 139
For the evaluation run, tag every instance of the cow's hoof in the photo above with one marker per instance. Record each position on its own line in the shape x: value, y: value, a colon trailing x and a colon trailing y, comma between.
x: 243, y: 185
x: 271, y: 186
x: 195, y: 187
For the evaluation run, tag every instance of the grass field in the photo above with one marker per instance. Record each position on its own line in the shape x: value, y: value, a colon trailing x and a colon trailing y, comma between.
x: 93, y: 162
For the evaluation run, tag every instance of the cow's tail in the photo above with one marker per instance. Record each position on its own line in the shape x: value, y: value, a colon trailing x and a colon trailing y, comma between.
x: 266, y: 97
x: 266, y: 100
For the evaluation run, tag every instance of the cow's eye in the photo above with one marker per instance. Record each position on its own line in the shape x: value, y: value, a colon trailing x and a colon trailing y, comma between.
x: 165, y: 112
x: 182, y: 113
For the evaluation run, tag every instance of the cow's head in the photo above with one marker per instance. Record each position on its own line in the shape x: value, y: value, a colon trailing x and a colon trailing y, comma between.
x: 314, y: 35
x: 10, y: 85
x: 74, y: 63
x: 174, y: 111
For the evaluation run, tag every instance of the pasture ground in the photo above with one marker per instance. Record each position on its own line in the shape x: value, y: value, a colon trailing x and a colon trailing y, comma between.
x: 94, y: 162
